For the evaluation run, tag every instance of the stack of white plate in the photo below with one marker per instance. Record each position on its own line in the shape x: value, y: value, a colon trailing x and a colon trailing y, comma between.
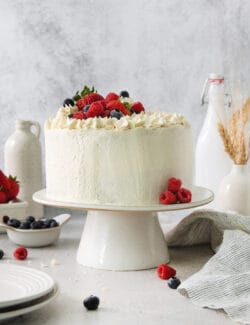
x: 23, y: 290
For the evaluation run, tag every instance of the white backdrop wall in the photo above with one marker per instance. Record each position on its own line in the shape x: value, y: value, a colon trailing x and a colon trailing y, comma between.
x: 159, y: 50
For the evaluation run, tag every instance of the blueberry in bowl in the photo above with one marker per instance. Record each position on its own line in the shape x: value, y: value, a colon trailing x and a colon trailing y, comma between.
x: 34, y: 232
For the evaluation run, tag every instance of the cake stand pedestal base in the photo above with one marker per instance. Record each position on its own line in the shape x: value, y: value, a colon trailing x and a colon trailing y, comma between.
x: 122, y: 240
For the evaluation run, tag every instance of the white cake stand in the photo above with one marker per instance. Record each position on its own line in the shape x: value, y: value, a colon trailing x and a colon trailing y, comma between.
x: 124, y: 238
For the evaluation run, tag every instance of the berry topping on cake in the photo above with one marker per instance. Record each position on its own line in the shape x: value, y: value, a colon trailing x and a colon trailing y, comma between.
x: 137, y: 107
x: 117, y: 105
x: 124, y: 93
x: 20, y: 253
x: 110, y: 97
x: 95, y: 109
x: 106, y: 113
x: 184, y: 195
x: 86, y: 108
x: 168, y: 198
x: 68, y: 102
x: 174, y: 184
x: 116, y: 114
x: 165, y: 271
x: 91, y: 302
x: 174, y: 283
x: 80, y: 104
x: 79, y: 115
x: 91, y: 98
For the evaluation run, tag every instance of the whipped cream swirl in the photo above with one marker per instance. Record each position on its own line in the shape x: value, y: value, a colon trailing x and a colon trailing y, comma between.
x: 143, y: 120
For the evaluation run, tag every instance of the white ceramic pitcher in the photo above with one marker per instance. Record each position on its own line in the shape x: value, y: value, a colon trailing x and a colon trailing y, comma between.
x: 22, y: 158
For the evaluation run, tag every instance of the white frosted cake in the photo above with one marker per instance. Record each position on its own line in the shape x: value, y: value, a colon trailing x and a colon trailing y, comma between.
x: 125, y: 161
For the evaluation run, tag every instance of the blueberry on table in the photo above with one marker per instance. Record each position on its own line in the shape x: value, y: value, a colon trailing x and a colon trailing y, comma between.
x: 13, y: 223
x: 68, y: 102
x: 1, y: 254
x: 116, y: 114
x: 174, y: 283
x: 124, y: 93
x: 91, y: 302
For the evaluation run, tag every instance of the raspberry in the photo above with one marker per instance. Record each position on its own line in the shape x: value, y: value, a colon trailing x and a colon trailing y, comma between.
x: 110, y: 97
x: 3, y: 197
x: 168, y: 198
x: 96, y: 109
x: 80, y: 115
x: 115, y: 104
x: 184, y: 195
x: 137, y: 107
x: 165, y: 272
x: 80, y: 104
x: 106, y: 113
x: 20, y: 253
x: 174, y: 184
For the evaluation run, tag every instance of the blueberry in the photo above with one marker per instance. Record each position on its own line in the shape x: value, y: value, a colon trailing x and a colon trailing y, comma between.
x: 24, y: 225
x: 115, y: 113
x: 86, y: 108
x: 68, y: 102
x: 174, y: 283
x: 36, y: 224
x: 30, y: 219
x: 53, y: 223
x: 1, y: 254
x: 91, y: 303
x: 5, y: 219
x: 47, y: 223
x: 70, y: 115
x: 13, y: 223
x: 124, y: 93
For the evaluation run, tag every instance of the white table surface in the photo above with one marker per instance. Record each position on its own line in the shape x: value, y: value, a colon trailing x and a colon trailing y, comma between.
x: 138, y: 297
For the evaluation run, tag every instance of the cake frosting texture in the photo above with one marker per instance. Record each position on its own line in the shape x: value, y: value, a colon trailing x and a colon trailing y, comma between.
x: 120, y: 162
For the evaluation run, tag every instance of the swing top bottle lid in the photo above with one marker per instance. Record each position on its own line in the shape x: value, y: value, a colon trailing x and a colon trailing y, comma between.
x: 216, y: 77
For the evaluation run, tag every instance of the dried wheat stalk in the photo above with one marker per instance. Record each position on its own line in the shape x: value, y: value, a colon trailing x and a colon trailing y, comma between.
x: 234, y: 136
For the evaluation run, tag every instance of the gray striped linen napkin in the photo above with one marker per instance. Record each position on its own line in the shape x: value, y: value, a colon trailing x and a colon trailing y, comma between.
x: 224, y: 281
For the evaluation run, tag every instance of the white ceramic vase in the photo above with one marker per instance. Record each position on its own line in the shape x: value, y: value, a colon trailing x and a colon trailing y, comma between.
x: 234, y: 191
x: 22, y: 158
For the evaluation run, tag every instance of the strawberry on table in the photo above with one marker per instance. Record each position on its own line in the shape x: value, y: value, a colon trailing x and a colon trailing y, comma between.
x: 3, y: 197
x: 4, y: 181
x: 14, y: 188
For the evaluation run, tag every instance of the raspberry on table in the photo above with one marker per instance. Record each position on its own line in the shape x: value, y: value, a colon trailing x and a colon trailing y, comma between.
x: 165, y: 271
x: 20, y: 253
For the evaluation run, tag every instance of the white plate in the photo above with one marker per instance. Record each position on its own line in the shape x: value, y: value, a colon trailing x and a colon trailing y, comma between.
x: 21, y: 284
x: 200, y: 196
x: 30, y: 306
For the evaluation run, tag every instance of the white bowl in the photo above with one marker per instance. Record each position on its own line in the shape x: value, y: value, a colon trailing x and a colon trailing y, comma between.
x: 14, y: 209
x: 36, y: 237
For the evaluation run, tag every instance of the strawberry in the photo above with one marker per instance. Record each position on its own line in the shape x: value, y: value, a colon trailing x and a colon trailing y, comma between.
x: 110, y: 97
x: 174, y: 184
x: 184, y: 195
x: 103, y: 103
x: 80, y: 115
x: 3, y: 197
x: 20, y: 253
x: 165, y: 271
x: 13, y: 190
x: 4, y: 181
x: 137, y: 107
x: 96, y: 109
x: 88, y: 99
x: 168, y: 198
x: 115, y: 104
